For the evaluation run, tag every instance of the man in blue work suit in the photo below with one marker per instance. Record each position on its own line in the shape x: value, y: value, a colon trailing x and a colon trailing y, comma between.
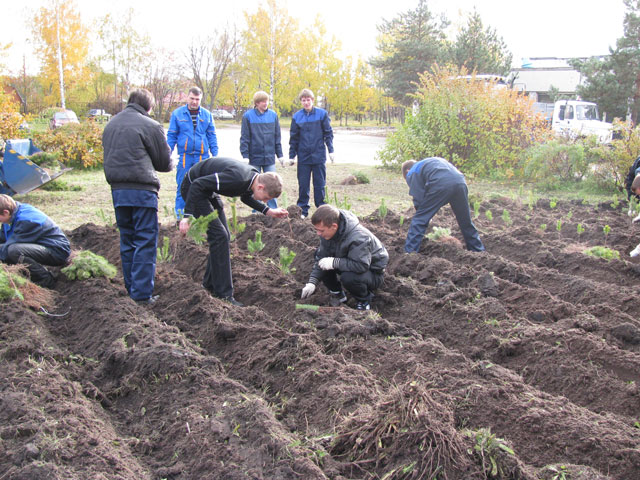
x: 135, y: 149
x: 29, y: 237
x: 260, y: 138
x: 310, y: 132
x: 192, y: 129
x: 434, y: 182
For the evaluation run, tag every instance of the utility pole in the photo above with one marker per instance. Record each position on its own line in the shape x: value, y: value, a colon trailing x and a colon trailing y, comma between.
x: 60, y: 71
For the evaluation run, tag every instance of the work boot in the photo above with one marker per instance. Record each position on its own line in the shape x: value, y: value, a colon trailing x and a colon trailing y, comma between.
x: 336, y: 299
x: 148, y: 301
x: 233, y: 301
x: 363, y: 305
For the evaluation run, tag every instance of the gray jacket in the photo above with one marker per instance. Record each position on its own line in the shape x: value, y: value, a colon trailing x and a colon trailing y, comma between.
x: 354, y: 248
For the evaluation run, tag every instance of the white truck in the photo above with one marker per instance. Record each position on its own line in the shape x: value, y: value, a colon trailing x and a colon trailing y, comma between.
x: 576, y: 118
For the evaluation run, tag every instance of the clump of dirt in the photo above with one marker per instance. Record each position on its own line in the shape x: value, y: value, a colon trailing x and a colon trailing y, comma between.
x: 520, y: 362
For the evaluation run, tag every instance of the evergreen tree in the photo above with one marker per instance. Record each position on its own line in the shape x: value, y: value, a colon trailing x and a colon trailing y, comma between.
x: 480, y: 50
x: 409, y: 45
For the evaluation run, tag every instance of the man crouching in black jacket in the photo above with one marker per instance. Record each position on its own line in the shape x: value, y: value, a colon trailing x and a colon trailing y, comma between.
x: 201, y: 189
x: 350, y: 250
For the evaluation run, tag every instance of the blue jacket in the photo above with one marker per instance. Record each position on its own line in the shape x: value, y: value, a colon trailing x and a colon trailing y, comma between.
x: 309, y: 133
x: 198, y: 142
x: 30, y: 225
x: 430, y: 173
x: 260, y: 137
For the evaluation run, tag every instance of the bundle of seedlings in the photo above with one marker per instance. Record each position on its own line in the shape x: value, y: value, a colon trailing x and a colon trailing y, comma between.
x: 198, y: 227
x: 14, y: 285
x: 86, y: 264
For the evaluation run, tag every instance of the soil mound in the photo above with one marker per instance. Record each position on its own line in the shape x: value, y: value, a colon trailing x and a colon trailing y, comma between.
x: 521, y: 362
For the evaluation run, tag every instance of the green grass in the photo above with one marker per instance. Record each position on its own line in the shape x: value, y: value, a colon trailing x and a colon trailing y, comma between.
x: 71, y: 209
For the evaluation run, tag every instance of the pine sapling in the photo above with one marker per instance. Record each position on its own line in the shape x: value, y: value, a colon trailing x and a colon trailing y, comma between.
x: 164, y: 253
x: 506, y: 218
x: 606, y: 230
x: 382, y: 209
x: 489, y: 215
x: 543, y: 226
x: 286, y: 258
x: 236, y: 228
x: 476, y: 209
x: 559, y: 225
x: 580, y: 229
x: 198, y: 227
x: 255, y: 246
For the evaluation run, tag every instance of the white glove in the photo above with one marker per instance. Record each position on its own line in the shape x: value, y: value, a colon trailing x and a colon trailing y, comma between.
x: 246, y: 160
x: 326, y: 263
x: 292, y: 160
x: 308, y: 290
x: 281, y: 160
x: 630, y: 212
x: 332, y: 156
x: 635, y: 252
x: 637, y: 219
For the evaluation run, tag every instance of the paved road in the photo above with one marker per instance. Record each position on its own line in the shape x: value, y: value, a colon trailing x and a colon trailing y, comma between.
x: 350, y: 146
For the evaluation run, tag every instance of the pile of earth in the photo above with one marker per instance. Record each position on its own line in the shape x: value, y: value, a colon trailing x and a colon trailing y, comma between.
x: 522, y: 362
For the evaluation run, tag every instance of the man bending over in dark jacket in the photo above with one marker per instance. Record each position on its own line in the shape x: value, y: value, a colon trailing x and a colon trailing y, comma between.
x: 201, y: 189
x: 28, y: 236
x: 350, y: 250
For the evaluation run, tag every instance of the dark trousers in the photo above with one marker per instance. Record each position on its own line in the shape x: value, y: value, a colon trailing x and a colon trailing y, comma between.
x: 360, y: 285
x: 217, y: 276
x: 138, y: 243
x: 436, y: 197
x: 34, y: 256
x: 305, y: 172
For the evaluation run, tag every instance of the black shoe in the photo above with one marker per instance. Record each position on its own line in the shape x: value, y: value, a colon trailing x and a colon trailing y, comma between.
x: 363, y: 306
x: 148, y: 301
x: 232, y: 301
x: 336, y: 299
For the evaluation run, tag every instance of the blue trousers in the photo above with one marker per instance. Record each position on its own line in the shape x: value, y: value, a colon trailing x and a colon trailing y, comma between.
x: 184, y: 164
x: 138, y: 243
x: 305, y: 171
x: 267, y: 168
x: 437, y: 196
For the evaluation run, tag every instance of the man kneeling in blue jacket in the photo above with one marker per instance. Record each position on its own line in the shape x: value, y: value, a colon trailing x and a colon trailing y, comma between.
x: 347, y: 249
x: 29, y: 237
x: 434, y: 182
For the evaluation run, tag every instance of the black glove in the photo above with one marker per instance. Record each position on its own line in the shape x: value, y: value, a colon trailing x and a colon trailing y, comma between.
x: 217, y: 202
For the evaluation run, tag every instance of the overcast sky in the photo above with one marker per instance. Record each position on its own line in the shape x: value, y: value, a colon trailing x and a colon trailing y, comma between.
x: 541, y: 28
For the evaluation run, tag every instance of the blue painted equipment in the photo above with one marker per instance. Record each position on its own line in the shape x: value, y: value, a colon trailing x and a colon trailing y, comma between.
x: 20, y: 175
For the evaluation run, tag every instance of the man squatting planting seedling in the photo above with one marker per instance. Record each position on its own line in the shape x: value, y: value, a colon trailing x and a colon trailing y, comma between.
x: 201, y: 189
x: 434, y: 182
x: 347, y: 249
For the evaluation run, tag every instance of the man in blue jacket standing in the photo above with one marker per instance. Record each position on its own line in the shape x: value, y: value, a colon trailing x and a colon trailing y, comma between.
x: 310, y: 132
x: 31, y: 238
x: 434, y: 182
x: 192, y: 129
x: 260, y: 138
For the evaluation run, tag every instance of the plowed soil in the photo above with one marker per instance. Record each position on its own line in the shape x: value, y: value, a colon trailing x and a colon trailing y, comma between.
x: 522, y: 362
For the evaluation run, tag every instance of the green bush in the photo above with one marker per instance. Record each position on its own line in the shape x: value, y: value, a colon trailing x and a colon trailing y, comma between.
x: 617, y: 157
x: 78, y: 145
x: 479, y: 128
x: 603, y: 252
x: 560, y: 159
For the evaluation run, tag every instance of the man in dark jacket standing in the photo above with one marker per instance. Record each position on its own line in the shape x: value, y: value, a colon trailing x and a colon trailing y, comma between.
x: 310, y: 132
x: 201, y: 188
x: 31, y: 238
x: 260, y: 137
x: 350, y: 250
x: 434, y: 182
x: 134, y: 149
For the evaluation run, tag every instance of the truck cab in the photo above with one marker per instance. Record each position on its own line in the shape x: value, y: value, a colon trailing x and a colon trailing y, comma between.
x: 576, y: 118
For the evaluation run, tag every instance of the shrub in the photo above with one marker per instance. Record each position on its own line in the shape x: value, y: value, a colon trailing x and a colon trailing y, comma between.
x: 10, y: 118
x: 361, y: 177
x: 617, y: 157
x: 479, y: 128
x: 79, y: 145
x: 561, y: 159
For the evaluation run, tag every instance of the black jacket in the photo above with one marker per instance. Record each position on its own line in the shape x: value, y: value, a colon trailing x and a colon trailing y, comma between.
x: 354, y: 248
x: 631, y: 176
x: 218, y: 176
x: 135, y: 147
